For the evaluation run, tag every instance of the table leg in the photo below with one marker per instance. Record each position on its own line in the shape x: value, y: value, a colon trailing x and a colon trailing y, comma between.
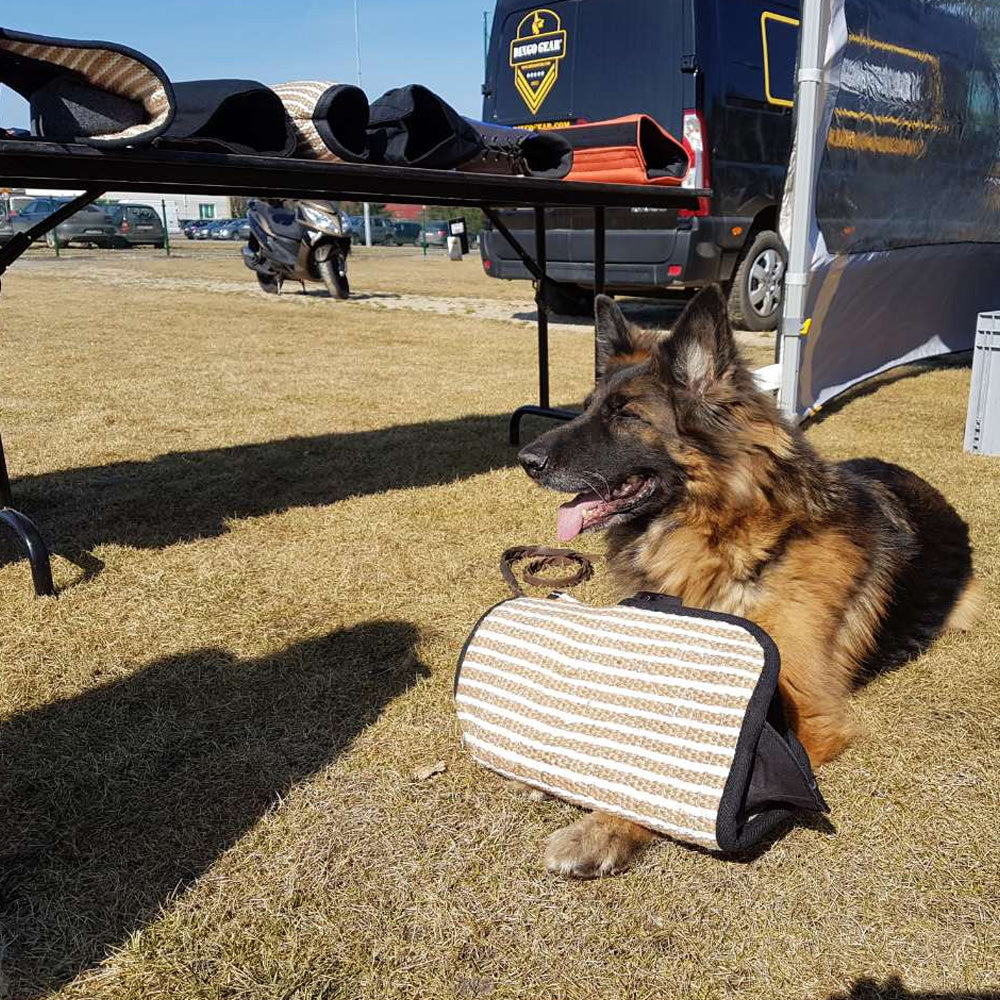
x: 537, y: 268
x: 27, y: 534
x: 34, y: 548
x: 6, y: 497
x: 24, y: 529
x: 600, y: 260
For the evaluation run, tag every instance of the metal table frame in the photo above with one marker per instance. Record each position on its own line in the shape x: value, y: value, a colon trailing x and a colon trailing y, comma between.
x: 55, y: 165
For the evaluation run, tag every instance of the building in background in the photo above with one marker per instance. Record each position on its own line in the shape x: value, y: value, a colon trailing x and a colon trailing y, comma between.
x: 179, y: 207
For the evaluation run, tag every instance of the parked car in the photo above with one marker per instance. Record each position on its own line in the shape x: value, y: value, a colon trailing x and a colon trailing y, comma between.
x: 208, y: 232
x: 233, y: 229
x: 91, y: 225
x: 383, y: 230
x: 137, y: 224
x: 718, y: 74
x: 407, y: 233
x: 191, y: 227
x: 10, y: 205
x: 6, y: 229
x: 436, y: 233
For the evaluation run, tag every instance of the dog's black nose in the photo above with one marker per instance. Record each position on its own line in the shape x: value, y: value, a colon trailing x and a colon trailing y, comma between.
x: 533, y: 460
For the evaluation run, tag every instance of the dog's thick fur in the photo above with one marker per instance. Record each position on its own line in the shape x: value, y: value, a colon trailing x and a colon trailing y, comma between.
x: 850, y: 567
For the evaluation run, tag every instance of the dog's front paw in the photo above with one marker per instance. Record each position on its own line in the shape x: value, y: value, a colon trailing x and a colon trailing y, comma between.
x: 595, y: 846
x: 532, y: 794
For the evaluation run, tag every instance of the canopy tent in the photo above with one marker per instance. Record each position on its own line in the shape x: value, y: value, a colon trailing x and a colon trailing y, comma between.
x: 892, y: 203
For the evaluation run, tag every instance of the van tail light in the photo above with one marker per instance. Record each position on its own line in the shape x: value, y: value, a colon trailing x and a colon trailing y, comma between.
x: 696, y: 143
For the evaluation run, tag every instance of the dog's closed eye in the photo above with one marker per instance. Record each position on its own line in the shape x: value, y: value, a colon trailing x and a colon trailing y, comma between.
x: 627, y: 414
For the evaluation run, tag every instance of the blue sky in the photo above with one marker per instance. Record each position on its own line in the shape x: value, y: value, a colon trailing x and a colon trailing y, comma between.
x: 438, y: 43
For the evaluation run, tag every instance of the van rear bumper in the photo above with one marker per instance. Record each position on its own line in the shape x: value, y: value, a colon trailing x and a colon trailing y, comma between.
x: 636, y: 259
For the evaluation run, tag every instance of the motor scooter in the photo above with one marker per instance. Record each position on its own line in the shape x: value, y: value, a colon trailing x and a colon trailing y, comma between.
x: 302, y: 240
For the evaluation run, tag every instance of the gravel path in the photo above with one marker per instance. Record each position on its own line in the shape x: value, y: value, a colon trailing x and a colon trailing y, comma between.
x: 647, y: 312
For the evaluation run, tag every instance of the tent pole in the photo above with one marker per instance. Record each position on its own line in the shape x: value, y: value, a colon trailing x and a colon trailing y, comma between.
x: 808, y: 118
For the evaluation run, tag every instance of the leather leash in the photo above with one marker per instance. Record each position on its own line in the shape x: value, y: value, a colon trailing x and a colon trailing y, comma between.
x: 544, y: 559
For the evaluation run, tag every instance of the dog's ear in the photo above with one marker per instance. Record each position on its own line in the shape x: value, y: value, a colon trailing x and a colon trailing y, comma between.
x: 618, y: 342
x: 701, y: 349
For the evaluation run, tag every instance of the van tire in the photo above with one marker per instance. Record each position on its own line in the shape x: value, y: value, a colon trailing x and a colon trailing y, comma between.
x: 760, y: 272
x: 568, y: 300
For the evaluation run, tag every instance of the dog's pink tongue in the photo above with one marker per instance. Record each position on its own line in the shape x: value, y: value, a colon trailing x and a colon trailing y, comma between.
x: 569, y: 523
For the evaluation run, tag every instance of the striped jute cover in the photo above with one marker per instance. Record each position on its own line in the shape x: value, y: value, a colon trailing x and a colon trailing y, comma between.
x: 300, y: 99
x: 116, y: 69
x: 329, y: 119
x: 651, y: 715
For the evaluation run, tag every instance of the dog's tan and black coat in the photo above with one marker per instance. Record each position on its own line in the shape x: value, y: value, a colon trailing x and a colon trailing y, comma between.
x: 706, y: 493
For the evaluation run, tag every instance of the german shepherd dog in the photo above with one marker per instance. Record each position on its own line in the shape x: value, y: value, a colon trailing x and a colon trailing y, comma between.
x: 708, y: 494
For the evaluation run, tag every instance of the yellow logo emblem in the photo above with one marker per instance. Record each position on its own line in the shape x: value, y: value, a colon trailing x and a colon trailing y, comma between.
x: 535, y: 53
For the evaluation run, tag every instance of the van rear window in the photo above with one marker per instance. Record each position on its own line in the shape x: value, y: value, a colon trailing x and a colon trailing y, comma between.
x: 585, y: 60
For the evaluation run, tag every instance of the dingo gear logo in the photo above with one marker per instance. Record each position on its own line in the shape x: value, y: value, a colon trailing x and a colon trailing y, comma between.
x: 535, y: 53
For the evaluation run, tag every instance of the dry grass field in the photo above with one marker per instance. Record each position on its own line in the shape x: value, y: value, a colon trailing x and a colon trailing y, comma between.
x: 275, y: 521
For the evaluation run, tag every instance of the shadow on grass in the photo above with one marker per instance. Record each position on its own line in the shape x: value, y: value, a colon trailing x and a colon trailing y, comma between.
x: 311, y: 292
x: 658, y: 314
x: 893, y: 989
x: 912, y: 369
x: 817, y: 822
x: 113, y: 800
x: 186, y: 495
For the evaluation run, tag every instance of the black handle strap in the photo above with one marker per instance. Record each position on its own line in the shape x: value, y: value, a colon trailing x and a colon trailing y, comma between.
x: 542, y: 560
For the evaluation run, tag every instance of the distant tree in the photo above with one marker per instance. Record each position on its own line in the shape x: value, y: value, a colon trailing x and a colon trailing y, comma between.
x: 358, y: 208
x: 238, y: 206
x: 474, y: 217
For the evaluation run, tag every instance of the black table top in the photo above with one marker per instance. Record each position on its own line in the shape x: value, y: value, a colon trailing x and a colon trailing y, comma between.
x: 31, y: 163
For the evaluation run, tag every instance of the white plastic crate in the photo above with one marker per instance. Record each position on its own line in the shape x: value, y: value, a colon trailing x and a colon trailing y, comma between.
x: 982, y: 428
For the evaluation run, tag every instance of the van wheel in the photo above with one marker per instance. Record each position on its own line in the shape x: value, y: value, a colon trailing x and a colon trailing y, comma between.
x: 568, y: 300
x: 755, y: 295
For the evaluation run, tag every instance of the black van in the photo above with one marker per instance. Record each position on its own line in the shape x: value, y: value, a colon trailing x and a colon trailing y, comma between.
x: 717, y: 74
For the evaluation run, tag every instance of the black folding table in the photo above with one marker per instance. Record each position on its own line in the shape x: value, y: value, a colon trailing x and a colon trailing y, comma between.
x: 55, y: 165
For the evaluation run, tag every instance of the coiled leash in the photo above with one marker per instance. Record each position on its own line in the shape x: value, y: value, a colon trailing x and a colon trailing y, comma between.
x: 542, y: 560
